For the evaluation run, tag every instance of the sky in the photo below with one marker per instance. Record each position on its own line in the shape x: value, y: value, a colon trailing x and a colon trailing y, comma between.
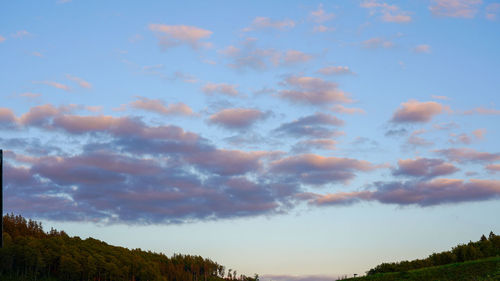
x: 300, y: 140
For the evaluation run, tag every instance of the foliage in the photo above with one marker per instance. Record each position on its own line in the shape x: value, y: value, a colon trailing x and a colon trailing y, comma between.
x: 29, y: 253
x: 478, y: 270
x: 485, y: 247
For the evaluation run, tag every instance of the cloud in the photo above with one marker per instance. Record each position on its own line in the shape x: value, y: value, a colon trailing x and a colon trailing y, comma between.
x: 249, y: 56
x: 320, y: 15
x: 322, y: 28
x: 82, y: 83
x: 318, y: 170
x: 237, y: 118
x: 388, y: 13
x: 174, y: 35
x: 482, y: 111
x: 455, y: 8
x: 2, y: 39
x: 335, y: 70
x: 414, y: 111
x: 422, y: 193
x: 7, y: 118
x: 221, y: 88
x: 40, y: 116
x: 494, y: 168
x: 424, y: 168
x: 377, y: 42
x: 468, y: 139
x: 319, y: 125
x: 492, y: 11
x: 293, y: 56
x: 440, y: 97
x: 422, y: 49
x: 347, y: 110
x: 308, y: 145
x: 267, y: 23
x: 21, y: 34
x: 468, y: 155
x: 159, y: 106
x: 55, y: 85
x: 312, y: 91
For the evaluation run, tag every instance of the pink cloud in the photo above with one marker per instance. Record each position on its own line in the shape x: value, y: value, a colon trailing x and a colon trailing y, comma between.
x: 494, y: 168
x: 492, y: 11
x: 175, y: 35
x: 82, y: 83
x: 347, y: 110
x: 293, y: 56
x: 267, y: 23
x: 468, y: 155
x: 322, y: 28
x: 55, y: 85
x: 335, y: 70
x: 221, y: 88
x: 237, y: 118
x: 318, y: 125
x: 377, y: 42
x: 317, y: 170
x: 311, y: 90
x: 308, y: 145
x: 468, y: 139
x: 424, y: 167
x: 483, y: 111
x: 158, y: 106
x: 320, y: 15
x: 455, y: 8
x: 414, y: 111
x: 422, y: 49
x: 388, y: 13
x: 7, y: 118
x: 41, y: 115
x: 2, y: 38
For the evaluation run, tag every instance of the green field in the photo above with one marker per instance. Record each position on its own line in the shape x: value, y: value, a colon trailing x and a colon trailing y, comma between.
x: 483, y: 269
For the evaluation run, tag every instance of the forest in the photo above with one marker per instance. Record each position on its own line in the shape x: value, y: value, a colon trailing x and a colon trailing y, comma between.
x: 30, y: 253
x: 484, y: 248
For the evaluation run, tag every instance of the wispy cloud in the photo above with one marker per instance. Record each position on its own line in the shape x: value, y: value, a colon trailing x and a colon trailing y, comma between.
x: 175, y: 35
x: 320, y: 15
x: 422, y: 49
x: 159, y: 106
x: 387, y: 12
x: 492, y: 11
x: 82, y: 83
x: 220, y: 88
x: 237, y: 118
x: 335, y: 70
x: 312, y: 90
x: 319, y: 125
x: 54, y: 84
x: 455, y: 8
x: 268, y: 23
x: 377, y: 42
x: 414, y: 111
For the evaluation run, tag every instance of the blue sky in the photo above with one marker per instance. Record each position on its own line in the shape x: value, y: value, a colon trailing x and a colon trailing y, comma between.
x: 300, y: 140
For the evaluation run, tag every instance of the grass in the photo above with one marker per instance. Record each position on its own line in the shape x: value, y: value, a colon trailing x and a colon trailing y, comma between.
x: 479, y: 270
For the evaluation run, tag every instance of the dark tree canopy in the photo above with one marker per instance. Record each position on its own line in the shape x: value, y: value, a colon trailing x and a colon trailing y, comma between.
x: 30, y: 253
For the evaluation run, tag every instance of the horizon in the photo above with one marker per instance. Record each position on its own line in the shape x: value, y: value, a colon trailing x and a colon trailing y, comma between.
x: 299, y: 140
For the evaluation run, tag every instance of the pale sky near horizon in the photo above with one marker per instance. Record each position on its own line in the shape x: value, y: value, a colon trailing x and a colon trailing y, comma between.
x: 300, y: 140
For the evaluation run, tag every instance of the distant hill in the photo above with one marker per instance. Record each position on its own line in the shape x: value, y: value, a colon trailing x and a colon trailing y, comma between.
x: 30, y: 253
x: 478, y: 260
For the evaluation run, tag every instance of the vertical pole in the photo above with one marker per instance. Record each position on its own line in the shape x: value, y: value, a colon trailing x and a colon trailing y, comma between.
x: 1, y: 198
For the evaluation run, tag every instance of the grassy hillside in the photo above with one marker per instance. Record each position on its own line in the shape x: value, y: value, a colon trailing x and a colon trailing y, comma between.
x: 487, y: 269
x: 30, y: 253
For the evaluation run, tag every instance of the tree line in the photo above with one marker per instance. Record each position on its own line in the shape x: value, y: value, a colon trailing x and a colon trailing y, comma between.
x: 484, y: 248
x: 30, y: 253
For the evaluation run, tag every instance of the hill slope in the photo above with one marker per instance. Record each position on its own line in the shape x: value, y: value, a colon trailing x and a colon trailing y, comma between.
x: 29, y: 253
